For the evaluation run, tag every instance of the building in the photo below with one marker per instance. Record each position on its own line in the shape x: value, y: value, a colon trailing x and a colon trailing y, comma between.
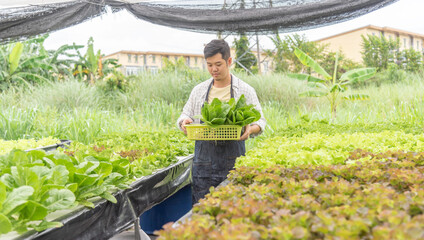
x: 350, y: 42
x: 135, y: 62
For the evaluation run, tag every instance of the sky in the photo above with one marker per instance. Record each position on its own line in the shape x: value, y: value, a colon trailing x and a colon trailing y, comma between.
x: 113, y: 32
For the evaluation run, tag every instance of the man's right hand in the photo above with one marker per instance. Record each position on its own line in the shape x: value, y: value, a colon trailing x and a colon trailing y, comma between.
x: 185, y: 122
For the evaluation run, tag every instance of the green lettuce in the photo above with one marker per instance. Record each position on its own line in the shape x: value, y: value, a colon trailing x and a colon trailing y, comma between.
x: 215, y: 113
x: 229, y: 113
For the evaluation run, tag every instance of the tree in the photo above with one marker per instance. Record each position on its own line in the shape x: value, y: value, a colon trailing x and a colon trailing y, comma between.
x: 279, y: 61
x: 329, y: 86
x: 245, y: 59
x: 411, y: 60
x: 285, y: 59
x: 297, y: 41
x: 378, y: 52
x: 178, y: 66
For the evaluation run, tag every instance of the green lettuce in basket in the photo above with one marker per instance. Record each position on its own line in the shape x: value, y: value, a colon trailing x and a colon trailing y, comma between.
x: 240, y: 113
x: 229, y: 113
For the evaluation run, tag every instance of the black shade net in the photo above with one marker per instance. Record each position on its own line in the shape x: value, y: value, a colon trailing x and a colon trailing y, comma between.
x: 225, y: 16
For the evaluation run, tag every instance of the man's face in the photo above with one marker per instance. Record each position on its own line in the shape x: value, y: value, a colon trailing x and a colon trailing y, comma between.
x: 218, y: 67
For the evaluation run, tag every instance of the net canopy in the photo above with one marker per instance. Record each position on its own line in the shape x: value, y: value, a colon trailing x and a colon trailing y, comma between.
x: 21, y: 18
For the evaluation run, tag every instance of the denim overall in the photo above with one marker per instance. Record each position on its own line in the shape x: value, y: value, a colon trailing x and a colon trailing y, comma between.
x: 213, y: 160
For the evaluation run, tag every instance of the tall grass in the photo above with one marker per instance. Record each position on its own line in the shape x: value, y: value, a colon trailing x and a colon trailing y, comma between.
x: 277, y: 88
x: 64, y: 95
x: 83, y: 125
x: 17, y: 123
x: 168, y: 87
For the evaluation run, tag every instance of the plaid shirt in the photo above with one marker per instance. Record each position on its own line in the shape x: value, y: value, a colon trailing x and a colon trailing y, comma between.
x: 198, y: 95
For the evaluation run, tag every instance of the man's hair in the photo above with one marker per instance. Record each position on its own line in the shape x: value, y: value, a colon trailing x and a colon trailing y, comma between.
x: 217, y: 46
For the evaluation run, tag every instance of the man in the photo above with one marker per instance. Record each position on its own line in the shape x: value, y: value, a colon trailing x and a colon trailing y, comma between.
x: 214, y: 159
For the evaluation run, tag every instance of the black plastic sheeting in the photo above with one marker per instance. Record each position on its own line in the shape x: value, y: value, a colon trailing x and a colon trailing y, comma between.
x: 201, y: 16
x: 293, y: 15
x: 107, y: 219
x: 19, y: 23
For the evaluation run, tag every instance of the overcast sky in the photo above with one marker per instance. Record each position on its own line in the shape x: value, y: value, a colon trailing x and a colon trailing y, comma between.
x: 113, y: 32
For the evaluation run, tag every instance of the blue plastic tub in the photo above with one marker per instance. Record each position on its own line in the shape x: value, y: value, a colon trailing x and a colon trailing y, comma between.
x: 170, y: 210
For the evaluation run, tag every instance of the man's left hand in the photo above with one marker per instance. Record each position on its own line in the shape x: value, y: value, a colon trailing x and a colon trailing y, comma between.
x: 247, y: 132
x: 250, y: 129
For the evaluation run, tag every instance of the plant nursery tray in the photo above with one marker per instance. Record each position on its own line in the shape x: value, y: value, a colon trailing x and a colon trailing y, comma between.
x: 204, y: 132
x: 107, y: 219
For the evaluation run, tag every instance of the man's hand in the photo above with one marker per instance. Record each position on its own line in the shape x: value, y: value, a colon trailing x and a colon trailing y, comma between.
x: 246, y: 133
x: 250, y: 129
x: 185, y: 122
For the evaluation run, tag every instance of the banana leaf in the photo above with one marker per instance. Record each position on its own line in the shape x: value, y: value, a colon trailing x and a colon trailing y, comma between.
x: 358, y: 75
x: 309, y: 62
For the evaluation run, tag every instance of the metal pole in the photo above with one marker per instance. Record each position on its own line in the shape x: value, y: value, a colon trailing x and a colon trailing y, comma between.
x: 139, y: 234
x: 259, y: 54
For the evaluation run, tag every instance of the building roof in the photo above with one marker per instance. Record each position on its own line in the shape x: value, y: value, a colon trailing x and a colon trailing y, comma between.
x: 165, y: 53
x: 154, y: 53
x: 383, y: 29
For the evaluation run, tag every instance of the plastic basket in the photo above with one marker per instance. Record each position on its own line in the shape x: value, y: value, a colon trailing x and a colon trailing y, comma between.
x: 204, y: 132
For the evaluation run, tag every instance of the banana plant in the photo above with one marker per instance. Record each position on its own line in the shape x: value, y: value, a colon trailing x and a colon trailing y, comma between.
x: 322, y: 84
x: 17, y: 67
x: 63, y: 58
x: 90, y: 64
x: 28, y: 62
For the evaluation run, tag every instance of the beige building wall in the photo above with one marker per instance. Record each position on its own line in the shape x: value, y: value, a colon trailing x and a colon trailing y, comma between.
x: 350, y: 42
x: 134, y: 62
x: 347, y: 43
